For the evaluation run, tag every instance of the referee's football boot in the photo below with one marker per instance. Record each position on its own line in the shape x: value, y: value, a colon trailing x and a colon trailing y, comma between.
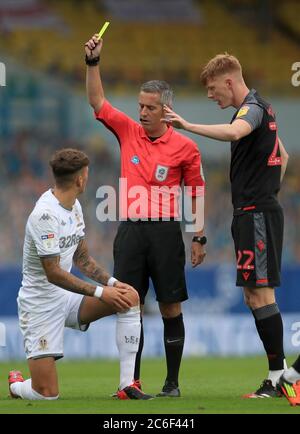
x: 14, y: 377
x: 170, y: 389
x: 133, y: 392
x: 266, y: 390
x: 290, y: 390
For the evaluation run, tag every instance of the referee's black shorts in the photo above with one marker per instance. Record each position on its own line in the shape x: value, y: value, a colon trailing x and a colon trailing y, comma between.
x: 151, y: 249
x: 258, y: 238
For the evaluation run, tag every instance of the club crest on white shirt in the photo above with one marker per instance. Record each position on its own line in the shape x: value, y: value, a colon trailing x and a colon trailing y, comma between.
x: 161, y: 173
x: 43, y: 344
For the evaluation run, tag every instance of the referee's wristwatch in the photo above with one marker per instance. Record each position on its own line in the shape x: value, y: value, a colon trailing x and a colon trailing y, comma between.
x: 200, y: 240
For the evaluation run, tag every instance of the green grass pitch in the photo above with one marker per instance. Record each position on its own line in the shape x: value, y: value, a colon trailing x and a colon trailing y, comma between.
x: 208, y: 385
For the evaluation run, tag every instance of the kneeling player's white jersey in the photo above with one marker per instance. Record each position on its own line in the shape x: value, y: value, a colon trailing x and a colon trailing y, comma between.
x: 51, y: 230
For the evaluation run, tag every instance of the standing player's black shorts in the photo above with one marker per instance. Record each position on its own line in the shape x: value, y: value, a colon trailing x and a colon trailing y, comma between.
x: 152, y: 249
x: 258, y: 238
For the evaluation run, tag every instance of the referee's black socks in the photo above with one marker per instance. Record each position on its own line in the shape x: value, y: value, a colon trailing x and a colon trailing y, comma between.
x: 174, y: 342
x: 270, y: 329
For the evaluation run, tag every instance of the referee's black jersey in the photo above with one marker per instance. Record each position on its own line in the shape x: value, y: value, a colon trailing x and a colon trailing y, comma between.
x: 255, y: 159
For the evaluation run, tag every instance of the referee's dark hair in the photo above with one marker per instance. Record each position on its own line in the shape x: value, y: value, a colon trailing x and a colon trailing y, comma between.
x: 66, y: 163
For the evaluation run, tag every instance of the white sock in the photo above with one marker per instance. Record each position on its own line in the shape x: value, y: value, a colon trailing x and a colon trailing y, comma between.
x: 25, y: 391
x: 127, y: 337
x: 275, y: 375
x: 291, y: 375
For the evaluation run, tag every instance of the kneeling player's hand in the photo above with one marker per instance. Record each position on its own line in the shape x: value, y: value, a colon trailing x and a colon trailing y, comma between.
x: 123, y: 285
x: 198, y: 254
x: 118, y: 298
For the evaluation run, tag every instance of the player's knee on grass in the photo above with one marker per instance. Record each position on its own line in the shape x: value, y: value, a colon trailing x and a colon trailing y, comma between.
x: 43, y: 376
x: 46, y: 391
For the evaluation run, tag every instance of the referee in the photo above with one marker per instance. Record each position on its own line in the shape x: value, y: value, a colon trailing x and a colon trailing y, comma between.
x: 258, y: 164
x: 153, y: 155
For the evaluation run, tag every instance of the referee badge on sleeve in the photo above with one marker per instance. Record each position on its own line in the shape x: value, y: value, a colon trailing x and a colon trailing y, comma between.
x: 161, y: 173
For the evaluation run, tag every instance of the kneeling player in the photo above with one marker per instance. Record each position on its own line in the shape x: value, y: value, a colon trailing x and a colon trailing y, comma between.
x: 52, y: 298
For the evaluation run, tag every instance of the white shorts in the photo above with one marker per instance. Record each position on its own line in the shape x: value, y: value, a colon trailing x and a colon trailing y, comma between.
x: 43, y: 332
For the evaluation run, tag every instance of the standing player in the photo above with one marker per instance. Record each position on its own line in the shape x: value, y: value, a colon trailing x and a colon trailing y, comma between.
x: 258, y: 164
x: 153, y: 156
x: 52, y: 298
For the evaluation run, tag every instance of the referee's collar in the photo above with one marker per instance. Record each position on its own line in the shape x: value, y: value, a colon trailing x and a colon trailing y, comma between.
x: 162, y: 139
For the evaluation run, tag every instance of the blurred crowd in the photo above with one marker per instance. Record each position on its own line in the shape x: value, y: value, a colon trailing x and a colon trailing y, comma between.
x: 150, y: 29
x: 25, y: 175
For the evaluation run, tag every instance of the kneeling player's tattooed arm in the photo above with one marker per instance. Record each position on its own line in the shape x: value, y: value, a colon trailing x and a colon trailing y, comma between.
x: 115, y: 297
x: 59, y: 277
x: 90, y: 268
x: 87, y: 265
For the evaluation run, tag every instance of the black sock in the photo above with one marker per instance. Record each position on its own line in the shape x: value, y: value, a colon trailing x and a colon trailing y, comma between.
x: 137, y: 367
x: 270, y: 329
x: 174, y: 341
x: 296, y: 364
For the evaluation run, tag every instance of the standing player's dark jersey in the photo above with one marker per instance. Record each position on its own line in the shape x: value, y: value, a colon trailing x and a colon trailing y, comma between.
x: 255, y: 159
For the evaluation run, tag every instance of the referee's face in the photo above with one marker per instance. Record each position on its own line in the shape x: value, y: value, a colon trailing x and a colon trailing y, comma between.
x: 219, y: 89
x: 151, y: 112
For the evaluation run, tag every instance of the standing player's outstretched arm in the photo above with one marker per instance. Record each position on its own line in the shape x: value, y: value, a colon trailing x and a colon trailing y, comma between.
x: 94, y: 87
x: 223, y: 132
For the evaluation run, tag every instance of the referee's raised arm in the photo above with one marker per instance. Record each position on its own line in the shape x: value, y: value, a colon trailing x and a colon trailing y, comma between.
x: 94, y: 87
